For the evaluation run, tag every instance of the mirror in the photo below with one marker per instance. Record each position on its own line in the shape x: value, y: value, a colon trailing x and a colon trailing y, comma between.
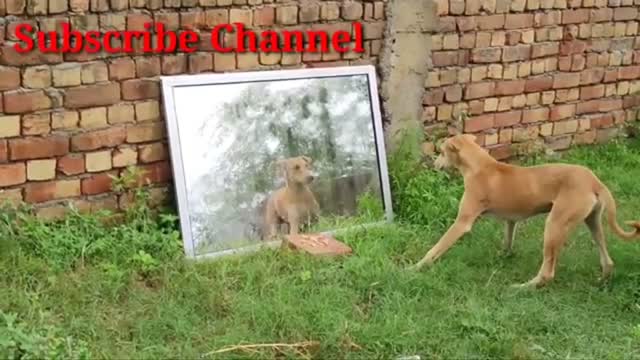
x: 257, y: 154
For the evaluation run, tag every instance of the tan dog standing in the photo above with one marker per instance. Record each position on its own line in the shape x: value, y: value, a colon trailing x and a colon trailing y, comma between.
x: 293, y: 204
x: 570, y: 194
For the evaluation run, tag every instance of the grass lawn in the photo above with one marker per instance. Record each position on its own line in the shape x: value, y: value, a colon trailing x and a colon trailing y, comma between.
x: 80, y: 289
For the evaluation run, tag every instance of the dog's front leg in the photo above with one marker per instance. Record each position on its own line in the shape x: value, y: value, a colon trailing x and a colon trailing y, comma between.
x: 467, y: 214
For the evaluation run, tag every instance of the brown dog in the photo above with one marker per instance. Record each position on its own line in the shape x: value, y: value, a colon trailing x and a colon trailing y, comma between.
x: 293, y: 204
x: 570, y: 194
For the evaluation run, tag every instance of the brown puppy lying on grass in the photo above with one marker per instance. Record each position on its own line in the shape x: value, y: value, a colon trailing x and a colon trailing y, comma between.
x: 570, y: 194
x: 294, y: 204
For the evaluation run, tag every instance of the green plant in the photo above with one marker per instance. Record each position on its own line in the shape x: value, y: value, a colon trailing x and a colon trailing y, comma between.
x: 17, y: 341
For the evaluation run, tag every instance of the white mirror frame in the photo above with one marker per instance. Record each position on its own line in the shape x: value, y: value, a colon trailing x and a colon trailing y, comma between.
x: 169, y: 83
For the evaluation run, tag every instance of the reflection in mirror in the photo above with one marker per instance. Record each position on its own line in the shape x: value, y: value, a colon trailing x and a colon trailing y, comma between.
x: 276, y: 155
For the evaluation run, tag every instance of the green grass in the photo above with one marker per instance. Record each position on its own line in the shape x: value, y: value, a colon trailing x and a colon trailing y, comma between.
x: 80, y: 288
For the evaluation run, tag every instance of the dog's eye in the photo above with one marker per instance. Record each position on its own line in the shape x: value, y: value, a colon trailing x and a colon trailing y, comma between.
x: 297, y: 167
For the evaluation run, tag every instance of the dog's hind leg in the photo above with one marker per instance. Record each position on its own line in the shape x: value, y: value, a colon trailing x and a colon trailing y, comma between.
x: 594, y: 223
x: 567, y: 212
x: 509, y: 234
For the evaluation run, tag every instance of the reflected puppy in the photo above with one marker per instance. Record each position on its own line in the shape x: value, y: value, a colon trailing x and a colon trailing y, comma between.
x: 294, y: 204
x: 570, y: 194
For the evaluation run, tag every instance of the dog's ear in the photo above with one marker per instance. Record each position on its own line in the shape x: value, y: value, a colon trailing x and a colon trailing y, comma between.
x: 455, y: 143
x: 452, y: 144
x: 307, y: 159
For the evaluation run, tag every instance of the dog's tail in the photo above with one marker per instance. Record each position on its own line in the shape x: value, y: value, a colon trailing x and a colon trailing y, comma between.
x: 610, y: 208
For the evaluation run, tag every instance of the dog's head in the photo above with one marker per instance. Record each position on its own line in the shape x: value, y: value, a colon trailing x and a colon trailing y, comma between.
x: 297, y: 170
x: 451, y: 150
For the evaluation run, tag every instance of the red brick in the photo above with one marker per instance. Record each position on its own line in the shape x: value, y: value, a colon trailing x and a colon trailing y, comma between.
x: 71, y: 164
x: 122, y: 69
x: 174, y: 64
x: 559, y: 112
x: 535, y: 115
x: 159, y: 172
x: 444, y: 58
x: 136, y: 22
x: 610, y: 76
x: 479, y: 90
x: 51, y: 190
x: 200, y: 62
x: 628, y: 72
x: 486, y: 55
x: 9, y: 56
x: 625, y: 13
x: 490, y: 22
x: 601, y: 15
x: 264, y: 17
x: 513, y: 38
x: 92, y: 95
x: 38, y: 147
x: 98, y: 139
x: 453, y: 93
x: 192, y: 20
x: 463, y: 57
x: 447, y: 24
x: 591, y: 76
x: 476, y: 107
x: 97, y: 184
x: 516, y: 53
x: 148, y: 66
x: 4, y: 151
x: 25, y: 101
x: 544, y: 49
x: 479, y: 123
x: 171, y: 21
x: 510, y: 87
x: 434, y: 97
x: 566, y: 80
x: 12, y: 174
x: 602, y: 121
x: 607, y: 105
x: 600, y: 105
x: 518, y: 21
x: 467, y: 23
x: 578, y: 16
x: 139, y: 89
x: 547, y: 18
x: 564, y: 63
x: 538, y: 83
x: 631, y: 101
x: 592, y: 92
x: 573, y: 47
x: 508, y: 118
x: 587, y: 107
x: 9, y: 78
x: 501, y: 152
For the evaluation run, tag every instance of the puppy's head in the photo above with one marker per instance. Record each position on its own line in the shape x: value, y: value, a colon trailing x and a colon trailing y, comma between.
x: 297, y: 170
x: 451, y: 149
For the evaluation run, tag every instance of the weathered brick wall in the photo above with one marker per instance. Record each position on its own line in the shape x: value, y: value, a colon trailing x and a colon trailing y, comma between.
x: 551, y: 72
x: 69, y: 121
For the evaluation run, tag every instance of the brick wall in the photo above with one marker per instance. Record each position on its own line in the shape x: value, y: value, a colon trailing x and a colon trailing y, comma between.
x: 68, y: 122
x: 527, y: 72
